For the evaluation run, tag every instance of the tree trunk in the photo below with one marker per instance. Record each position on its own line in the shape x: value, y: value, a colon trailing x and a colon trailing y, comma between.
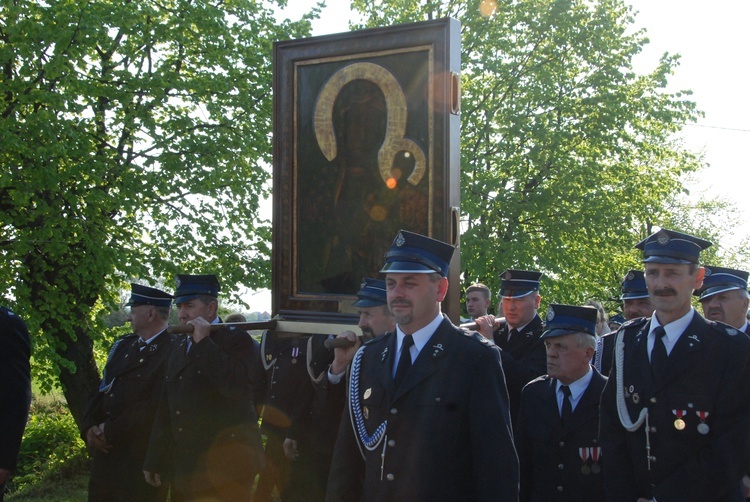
x: 79, y: 384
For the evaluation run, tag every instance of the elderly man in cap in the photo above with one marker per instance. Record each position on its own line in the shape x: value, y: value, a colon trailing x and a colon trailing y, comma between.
x: 206, y: 429
x: 310, y: 448
x: 118, y: 419
x: 676, y: 407
x: 724, y: 296
x: 520, y: 337
x: 635, y: 303
x: 558, y: 422
x: 427, y: 414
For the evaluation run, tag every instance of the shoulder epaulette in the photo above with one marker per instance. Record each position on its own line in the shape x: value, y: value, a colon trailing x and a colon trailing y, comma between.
x: 477, y: 336
x: 723, y: 328
x: 542, y: 378
x: 638, y: 321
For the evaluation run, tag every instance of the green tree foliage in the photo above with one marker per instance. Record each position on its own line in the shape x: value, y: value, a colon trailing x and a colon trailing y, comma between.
x: 135, y: 144
x: 568, y: 155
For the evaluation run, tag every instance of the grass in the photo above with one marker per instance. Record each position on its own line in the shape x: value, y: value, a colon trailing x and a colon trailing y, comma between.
x: 53, y: 464
x: 72, y: 488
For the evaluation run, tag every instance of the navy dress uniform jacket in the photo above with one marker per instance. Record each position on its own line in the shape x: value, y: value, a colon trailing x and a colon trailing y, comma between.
x: 127, y: 410
x: 524, y: 359
x: 447, y: 434
x: 552, y: 456
x: 290, y: 364
x: 206, y: 429
x: 15, y: 386
x: 707, y: 374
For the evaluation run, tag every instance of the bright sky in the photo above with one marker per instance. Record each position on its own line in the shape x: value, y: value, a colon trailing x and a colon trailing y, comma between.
x: 712, y: 39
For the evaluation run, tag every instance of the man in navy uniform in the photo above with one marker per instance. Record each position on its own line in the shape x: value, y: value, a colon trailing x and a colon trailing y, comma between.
x: 724, y: 296
x: 15, y: 390
x: 427, y: 414
x: 290, y: 364
x: 520, y: 338
x: 119, y: 415
x: 310, y: 445
x: 206, y: 429
x: 635, y: 303
x: 558, y: 422
x: 676, y: 407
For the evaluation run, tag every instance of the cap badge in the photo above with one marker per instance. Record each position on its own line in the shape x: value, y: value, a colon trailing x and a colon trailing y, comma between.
x: 177, y: 282
x: 508, y: 276
x: 550, y: 313
x: 631, y: 276
x: 663, y: 238
x: 400, y: 241
x: 708, y: 272
x: 363, y: 285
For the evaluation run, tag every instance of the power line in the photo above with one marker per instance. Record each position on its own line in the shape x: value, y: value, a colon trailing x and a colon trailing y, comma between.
x: 718, y: 127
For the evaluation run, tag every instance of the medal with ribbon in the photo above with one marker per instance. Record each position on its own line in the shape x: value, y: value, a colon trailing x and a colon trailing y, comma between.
x: 295, y: 354
x: 584, y: 454
x: 596, y: 453
x: 679, y: 423
x: 703, y: 426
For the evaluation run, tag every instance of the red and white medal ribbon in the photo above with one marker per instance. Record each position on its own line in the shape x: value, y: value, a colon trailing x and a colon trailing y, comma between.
x: 703, y: 426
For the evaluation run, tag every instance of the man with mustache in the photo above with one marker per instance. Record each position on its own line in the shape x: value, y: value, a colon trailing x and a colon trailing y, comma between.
x: 310, y: 443
x: 675, y: 409
x: 724, y: 296
x: 427, y: 413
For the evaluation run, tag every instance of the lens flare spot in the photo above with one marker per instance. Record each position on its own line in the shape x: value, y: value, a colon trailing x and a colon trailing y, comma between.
x: 378, y: 213
x: 487, y: 8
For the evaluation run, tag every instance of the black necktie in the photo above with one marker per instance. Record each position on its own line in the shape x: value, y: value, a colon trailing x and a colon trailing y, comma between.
x: 658, y: 352
x: 567, y: 407
x: 513, y: 333
x: 404, y: 361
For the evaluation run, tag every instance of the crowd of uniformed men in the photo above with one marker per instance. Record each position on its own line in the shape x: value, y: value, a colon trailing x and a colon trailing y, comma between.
x: 516, y: 408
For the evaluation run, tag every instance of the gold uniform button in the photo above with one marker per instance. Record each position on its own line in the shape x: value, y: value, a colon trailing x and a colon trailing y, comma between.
x: 394, y: 411
x: 390, y: 477
x: 391, y: 443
